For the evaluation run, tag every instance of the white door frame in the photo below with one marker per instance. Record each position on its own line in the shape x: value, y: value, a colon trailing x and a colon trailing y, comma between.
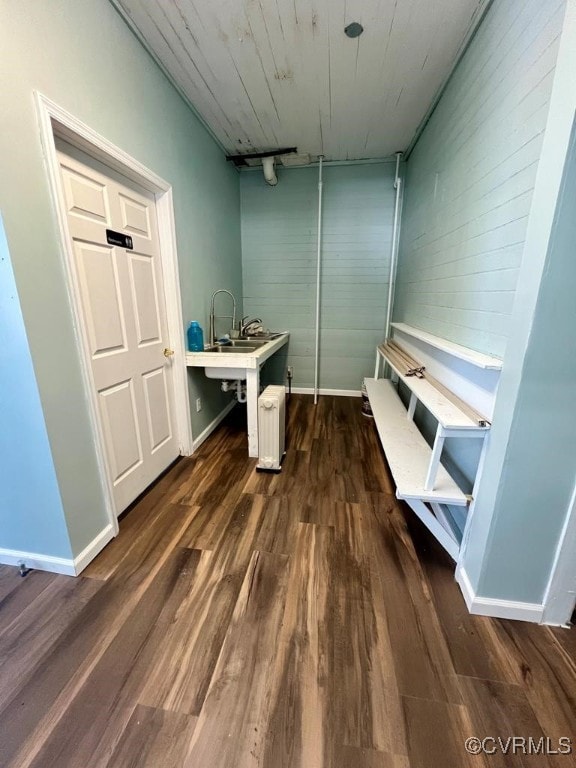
x: 56, y: 121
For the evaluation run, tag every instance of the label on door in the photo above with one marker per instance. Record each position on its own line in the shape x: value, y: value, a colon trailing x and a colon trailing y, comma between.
x: 117, y: 238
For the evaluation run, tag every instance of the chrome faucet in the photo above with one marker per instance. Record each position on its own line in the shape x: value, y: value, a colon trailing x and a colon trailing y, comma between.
x: 249, y: 325
x: 213, y: 317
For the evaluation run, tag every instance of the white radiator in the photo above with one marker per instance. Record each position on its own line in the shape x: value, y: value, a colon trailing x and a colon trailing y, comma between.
x: 271, y: 428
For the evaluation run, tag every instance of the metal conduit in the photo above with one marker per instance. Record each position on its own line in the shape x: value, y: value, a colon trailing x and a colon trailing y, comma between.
x: 318, y: 276
x: 394, y: 249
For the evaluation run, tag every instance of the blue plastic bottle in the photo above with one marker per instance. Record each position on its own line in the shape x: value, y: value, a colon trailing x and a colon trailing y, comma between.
x: 195, y: 337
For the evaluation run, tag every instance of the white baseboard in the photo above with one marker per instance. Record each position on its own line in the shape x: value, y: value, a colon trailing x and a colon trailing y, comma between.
x: 496, y: 608
x: 94, y: 548
x: 38, y: 562
x: 334, y: 392
x: 212, y: 426
x: 65, y: 566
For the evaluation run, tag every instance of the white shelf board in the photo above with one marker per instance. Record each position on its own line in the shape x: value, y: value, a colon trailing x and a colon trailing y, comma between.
x: 407, y: 451
x: 447, y: 413
x: 479, y: 359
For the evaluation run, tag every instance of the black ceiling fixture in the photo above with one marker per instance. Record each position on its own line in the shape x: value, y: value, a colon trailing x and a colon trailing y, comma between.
x: 241, y: 159
x: 354, y: 29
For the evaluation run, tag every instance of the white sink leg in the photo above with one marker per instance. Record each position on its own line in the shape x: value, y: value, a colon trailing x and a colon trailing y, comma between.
x: 252, y: 393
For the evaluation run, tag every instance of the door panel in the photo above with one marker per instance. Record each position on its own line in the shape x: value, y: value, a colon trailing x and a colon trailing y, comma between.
x: 145, y: 297
x: 86, y: 197
x: 122, y: 299
x: 118, y: 408
x: 101, y: 298
x: 159, y: 427
x: 135, y: 216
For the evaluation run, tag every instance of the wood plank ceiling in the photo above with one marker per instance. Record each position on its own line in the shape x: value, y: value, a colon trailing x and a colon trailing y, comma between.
x: 265, y: 74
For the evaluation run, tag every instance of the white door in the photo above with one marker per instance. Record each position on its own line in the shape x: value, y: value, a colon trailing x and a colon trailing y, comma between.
x: 121, y: 294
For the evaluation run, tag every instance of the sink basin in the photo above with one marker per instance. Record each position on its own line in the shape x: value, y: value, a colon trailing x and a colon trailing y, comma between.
x: 233, y: 349
x: 265, y: 336
x: 235, y: 359
x: 238, y: 345
x: 249, y: 342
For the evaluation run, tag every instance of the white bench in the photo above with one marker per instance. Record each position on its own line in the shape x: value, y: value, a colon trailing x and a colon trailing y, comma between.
x: 420, y: 478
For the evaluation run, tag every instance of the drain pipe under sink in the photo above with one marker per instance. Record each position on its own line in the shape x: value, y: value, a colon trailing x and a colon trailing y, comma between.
x: 237, y: 386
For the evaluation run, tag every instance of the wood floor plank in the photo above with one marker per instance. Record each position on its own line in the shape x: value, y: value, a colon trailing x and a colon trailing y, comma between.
x: 547, y: 676
x: 206, y: 524
x: 233, y: 533
x: 297, y: 620
x: 28, y: 640
x: 198, y: 631
x: 279, y: 524
x: 135, y: 524
x: 301, y: 728
x: 10, y: 579
x: 422, y: 660
x: 354, y: 757
x: 566, y: 639
x: 23, y: 591
x: 230, y: 435
x: 301, y: 417
x: 375, y: 471
x: 473, y: 642
x: 239, y: 691
x: 38, y: 705
x: 97, y: 714
x: 367, y: 704
x: 291, y: 481
x: 219, y: 482
x: 500, y: 710
x: 153, y: 738
x: 436, y: 733
x: 332, y: 473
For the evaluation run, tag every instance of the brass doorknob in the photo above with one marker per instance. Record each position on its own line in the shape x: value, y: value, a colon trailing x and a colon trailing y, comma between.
x: 168, y: 352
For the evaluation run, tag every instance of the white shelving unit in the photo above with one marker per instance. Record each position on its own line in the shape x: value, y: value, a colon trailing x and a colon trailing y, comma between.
x: 479, y: 359
x: 421, y: 479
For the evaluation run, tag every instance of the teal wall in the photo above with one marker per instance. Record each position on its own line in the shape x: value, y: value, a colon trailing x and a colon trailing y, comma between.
x: 523, y: 500
x: 82, y: 55
x: 279, y: 254
x: 534, y: 492
x: 31, y: 514
x: 542, y: 442
x: 470, y: 179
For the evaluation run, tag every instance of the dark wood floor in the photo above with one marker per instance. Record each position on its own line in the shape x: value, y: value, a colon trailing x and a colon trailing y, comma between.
x: 304, y: 619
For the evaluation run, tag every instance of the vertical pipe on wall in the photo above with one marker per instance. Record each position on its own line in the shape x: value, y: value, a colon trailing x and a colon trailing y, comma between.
x: 394, y: 248
x: 318, y: 276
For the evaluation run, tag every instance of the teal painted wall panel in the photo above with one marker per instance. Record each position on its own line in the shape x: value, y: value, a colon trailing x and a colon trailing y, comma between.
x: 534, y: 492
x: 81, y: 54
x: 31, y: 515
x: 470, y: 178
x: 279, y: 242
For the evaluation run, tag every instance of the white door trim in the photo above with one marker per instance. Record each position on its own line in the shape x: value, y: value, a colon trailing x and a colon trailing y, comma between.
x: 56, y: 121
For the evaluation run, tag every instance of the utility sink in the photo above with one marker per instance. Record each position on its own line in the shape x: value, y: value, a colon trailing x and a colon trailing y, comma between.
x: 238, y: 345
x: 265, y: 335
x: 232, y: 360
x: 241, y: 359
x: 231, y: 349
